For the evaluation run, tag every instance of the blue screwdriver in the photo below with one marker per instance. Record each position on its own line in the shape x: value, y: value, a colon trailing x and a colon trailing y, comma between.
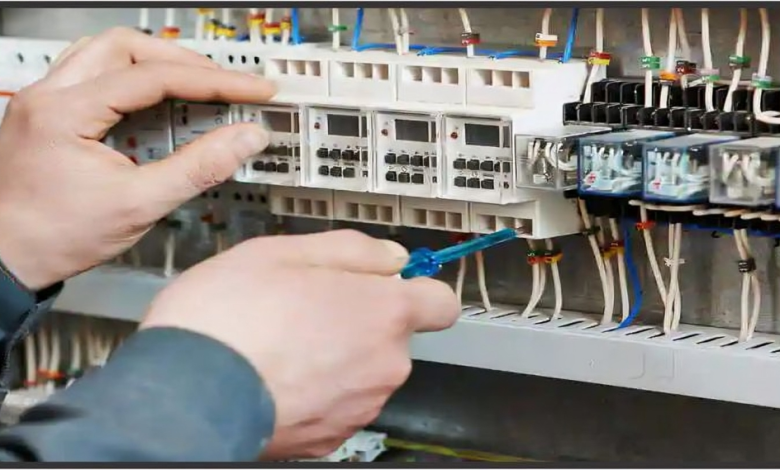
x: 424, y: 262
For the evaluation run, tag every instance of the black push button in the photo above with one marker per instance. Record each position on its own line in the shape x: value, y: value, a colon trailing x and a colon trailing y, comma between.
x: 270, y: 166
x: 324, y: 170
x: 322, y: 152
x: 434, y: 162
x: 506, y: 167
x: 391, y: 176
x: 427, y: 162
x: 460, y: 181
x: 418, y: 178
x: 349, y: 172
x: 488, y: 184
x: 335, y: 171
x: 404, y: 178
x: 417, y: 160
x: 258, y: 166
x: 335, y: 154
x: 364, y: 155
x: 473, y: 183
x: 486, y: 166
x: 403, y: 159
x: 282, y: 150
x: 348, y: 155
x: 473, y: 165
x: 283, y: 168
x: 459, y: 164
x: 390, y: 159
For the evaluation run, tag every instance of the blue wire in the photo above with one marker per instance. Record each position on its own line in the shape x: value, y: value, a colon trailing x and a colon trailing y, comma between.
x: 633, y: 274
x: 451, y: 50
x: 567, y: 51
x: 365, y: 47
x: 295, y: 32
x: 358, y: 29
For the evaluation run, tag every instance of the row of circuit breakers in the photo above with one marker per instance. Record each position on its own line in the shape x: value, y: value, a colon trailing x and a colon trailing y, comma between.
x: 468, y: 158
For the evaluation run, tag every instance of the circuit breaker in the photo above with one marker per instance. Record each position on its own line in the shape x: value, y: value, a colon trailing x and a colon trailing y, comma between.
x: 280, y: 162
x: 339, y: 149
x: 407, y: 154
x: 478, y: 162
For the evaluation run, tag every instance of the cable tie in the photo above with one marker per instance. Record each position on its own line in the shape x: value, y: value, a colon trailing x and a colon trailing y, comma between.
x: 761, y: 82
x: 739, y: 61
x: 337, y: 28
x: 670, y: 262
x: 469, y: 39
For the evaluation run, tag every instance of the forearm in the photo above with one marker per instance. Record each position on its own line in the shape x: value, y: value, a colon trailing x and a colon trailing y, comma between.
x: 165, y: 395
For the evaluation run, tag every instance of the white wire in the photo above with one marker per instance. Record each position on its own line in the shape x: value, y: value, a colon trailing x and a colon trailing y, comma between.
x: 769, y: 117
x: 655, y: 268
x: 537, y: 285
x: 396, y: 27
x: 143, y: 19
x: 170, y: 253
x: 255, y: 34
x: 739, y: 50
x: 286, y: 31
x: 170, y: 17
x: 545, y: 31
x: 227, y: 16
x: 43, y: 350
x: 621, y: 262
x: 55, y: 357
x: 75, y: 349
x: 464, y: 18
x: 648, y: 46
x: 672, y: 306
x: 596, y: 253
x: 336, y: 35
x: 212, y: 34
x: 556, y: 275
x: 461, y: 279
x: 750, y: 282
x: 708, y: 65
x: 31, y: 369
x: 269, y: 18
x: 594, y: 69
x: 670, y: 57
x: 200, y: 25
x: 682, y: 34
x: 405, y: 33
x: 483, y: 292
x: 610, y: 277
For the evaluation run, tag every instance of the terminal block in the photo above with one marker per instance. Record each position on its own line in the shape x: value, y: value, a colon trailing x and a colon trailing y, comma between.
x: 677, y: 170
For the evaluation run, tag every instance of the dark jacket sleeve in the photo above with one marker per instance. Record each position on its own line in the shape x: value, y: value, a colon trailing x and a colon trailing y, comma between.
x: 165, y: 395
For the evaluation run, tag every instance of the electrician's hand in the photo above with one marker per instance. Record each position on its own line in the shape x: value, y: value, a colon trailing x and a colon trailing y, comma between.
x: 322, y: 320
x: 68, y: 202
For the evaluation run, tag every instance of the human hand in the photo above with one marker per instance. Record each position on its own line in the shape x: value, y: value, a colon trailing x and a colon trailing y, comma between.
x: 323, y: 321
x: 68, y: 202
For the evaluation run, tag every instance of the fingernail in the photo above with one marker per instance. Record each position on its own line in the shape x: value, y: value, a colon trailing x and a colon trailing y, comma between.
x: 396, y: 250
x: 251, y: 140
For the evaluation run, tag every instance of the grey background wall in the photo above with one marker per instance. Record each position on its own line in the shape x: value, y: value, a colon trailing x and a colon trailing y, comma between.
x: 532, y: 416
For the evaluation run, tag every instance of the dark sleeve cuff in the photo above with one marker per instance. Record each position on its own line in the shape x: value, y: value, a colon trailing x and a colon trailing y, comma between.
x: 17, y: 302
x: 165, y: 395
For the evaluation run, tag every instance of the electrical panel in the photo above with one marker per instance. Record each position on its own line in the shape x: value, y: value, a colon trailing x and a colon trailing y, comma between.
x: 744, y: 173
x: 145, y: 136
x: 192, y: 120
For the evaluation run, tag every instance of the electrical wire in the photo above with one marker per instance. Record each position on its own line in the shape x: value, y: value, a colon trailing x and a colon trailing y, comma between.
x: 170, y: 252
x: 396, y: 27
x: 571, y: 36
x: 750, y: 282
x: 295, y: 27
x: 269, y: 18
x: 358, y: 29
x: 200, y: 24
x: 706, y: 46
x: 286, y: 31
x: 594, y: 69
x: 75, y: 353
x: 481, y: 280
x: 537, y: 288
x: 556, y: 275
x: 43, y: 355
x: 633, y: 274
x: 31, y: 369
x: 768, y: 117
x: 672, y: 305
x: 254, y: 28
x: 464, y: 18
x: 648, y: 47
x: 143, y: 19
x: 670, y: 58
x: 589, y: 230
x: 739, y: 51
x: 55, y: 357
x: 170, y: 17
x: 545, y: 31
x: 682, y: 34
x: 621, y: 263
x: 461, y: 279
x: 405, y: 31
x: 609, y: 309
x: 336, y: 34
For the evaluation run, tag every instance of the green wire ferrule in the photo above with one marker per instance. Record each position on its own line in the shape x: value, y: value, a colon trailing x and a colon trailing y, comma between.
x: 650, y: 62
x: 739, y: 61
x: 337, y: 28
x: 761, y: 83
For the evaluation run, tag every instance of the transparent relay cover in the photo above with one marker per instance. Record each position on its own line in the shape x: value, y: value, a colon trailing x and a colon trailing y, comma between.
x: 677, y: 169
x: 611, y: 164
x: 744, y: 172
x: 548, y: 160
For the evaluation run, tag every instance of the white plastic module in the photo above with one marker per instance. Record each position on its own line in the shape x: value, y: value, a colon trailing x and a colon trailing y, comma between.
x: 435, y: 214
x: 301, y: 202
x: 382, y: 209
x: 540, y: 213
x: 407, y: 154
x: 192, y: 120
x: 338, y: 149
x: 144, y: 136
x: 280, y: 162
x: 547, y: 159
x: 352, y: 76
x: 744, y: 173
x: 477, y: 160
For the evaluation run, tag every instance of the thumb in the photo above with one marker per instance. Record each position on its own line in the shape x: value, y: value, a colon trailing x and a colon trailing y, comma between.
x: 200, y: 165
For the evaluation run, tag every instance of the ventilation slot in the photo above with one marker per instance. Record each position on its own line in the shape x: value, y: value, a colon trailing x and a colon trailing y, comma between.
x: 412, y: 74
x: 276, y: 67
x: 296, y: 67
x: 571, y: 323
x: 640, y: 330
x: 313, y: 68
x: 759, y: 346
x: 709, y: 340
x: 500, y: 78
x: 730, y: 343
x: 684, y: 337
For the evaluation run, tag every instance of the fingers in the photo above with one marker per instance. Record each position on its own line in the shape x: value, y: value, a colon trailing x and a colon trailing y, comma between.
x: 115, y: 49
x: 70, y: 50
x: 432, y: 305
x: 342, y: 250
x: 143, y: 85
x: 208, y: 161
